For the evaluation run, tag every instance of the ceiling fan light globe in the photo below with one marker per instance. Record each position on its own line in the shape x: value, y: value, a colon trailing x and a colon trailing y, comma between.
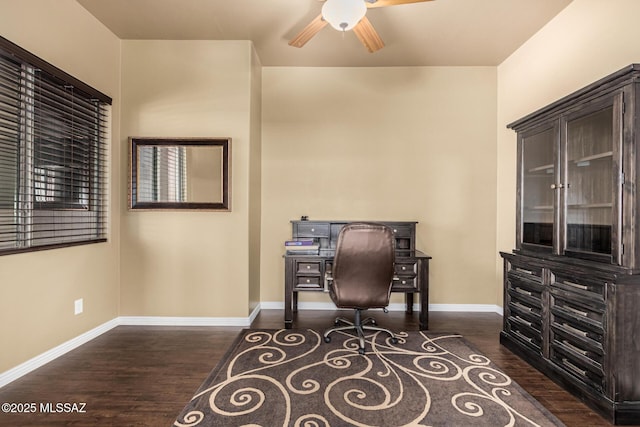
x: 343, y: 15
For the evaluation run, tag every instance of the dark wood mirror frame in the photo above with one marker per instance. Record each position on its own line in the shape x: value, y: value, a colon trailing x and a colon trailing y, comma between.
x: 136, y: 203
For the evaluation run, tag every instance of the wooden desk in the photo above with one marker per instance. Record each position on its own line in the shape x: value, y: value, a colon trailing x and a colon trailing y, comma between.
x: 306, y: 272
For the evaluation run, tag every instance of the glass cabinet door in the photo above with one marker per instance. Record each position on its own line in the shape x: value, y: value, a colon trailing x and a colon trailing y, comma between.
x: 590, y: 182
x: 536, y: 226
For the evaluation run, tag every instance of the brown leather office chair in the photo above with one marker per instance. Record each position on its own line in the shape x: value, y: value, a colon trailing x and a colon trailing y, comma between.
x: 362, y: 276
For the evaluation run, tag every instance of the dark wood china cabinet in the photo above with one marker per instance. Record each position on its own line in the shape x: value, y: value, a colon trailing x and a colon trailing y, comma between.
x: 572, y: 284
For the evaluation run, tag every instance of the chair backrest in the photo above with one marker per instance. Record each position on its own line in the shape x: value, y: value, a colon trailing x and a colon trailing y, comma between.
x: 363, y: 266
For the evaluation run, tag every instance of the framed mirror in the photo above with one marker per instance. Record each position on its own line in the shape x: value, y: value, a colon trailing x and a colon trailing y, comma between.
x: 180, y: 173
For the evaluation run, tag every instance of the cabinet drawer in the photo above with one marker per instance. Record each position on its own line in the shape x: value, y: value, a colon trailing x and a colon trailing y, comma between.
x: 589, y: 316
x: 581, y: 285
x: 579, y: 331
x: 524, y: 333
x: 309, y: 282
x: 521, y: 319
x: 525, y: 272
x: 586, y: 348
x: 525, y: 307
x: 409, y: 268
x: 577, y: 365
x: 524, y: 300
x: 313, y: 230
x: 404, y: 283
x: 526, y: 314
x: 526, y: 284
x: 525, y: 287
x: 309, y: 268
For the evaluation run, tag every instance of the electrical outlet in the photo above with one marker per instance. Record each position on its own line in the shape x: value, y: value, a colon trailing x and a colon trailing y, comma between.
x: 77, y: 306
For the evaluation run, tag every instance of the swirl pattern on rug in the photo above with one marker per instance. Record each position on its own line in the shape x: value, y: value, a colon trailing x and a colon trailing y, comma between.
x: 292, y: 378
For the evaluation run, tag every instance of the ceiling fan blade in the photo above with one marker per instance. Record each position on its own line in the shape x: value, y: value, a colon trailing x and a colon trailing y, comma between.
x: 383, y: 3
x: 368, y: 35
x: 308, y: 32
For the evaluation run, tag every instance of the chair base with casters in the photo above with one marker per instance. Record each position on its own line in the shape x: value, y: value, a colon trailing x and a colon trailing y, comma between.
x: 359, y: 326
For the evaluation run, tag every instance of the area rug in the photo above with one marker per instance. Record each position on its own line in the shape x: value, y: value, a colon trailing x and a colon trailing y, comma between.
x: 293, y: 378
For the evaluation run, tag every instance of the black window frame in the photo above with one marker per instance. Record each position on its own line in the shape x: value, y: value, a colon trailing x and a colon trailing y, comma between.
x: 54, y: 138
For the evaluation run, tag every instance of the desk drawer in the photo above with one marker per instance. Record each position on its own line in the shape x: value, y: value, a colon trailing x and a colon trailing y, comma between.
x: 308, y: 283
x: 400, y: 230
x: 313, y: 230
x: 308, y: 268
x: 404, y: 284
x: 406, y: 268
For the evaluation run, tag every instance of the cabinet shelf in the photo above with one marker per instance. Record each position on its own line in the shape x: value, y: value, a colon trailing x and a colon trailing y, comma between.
x: 591, y: 206
x: 539, y: 208
x: 545, y: 168
x: 597, y: 156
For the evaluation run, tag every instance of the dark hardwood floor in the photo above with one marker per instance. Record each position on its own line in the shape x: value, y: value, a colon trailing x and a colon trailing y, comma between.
x: 143, y: 376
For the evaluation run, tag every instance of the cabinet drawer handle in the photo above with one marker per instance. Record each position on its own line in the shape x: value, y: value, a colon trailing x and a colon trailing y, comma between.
x: 575, y: 285
x: 522, y: 291
x: 522, y: 270
x: 308, y: 280
x: 524, y: 337
x: 574, y: 348
x: 573, y: 367
x: 574, y: 330
x: 573, y: 310
x: 526, y: 322
x: 308, y: 267
x: 523, y: 307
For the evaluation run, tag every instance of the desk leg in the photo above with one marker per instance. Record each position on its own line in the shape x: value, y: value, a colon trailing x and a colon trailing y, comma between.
x: 409, y: 301
x: 288, y: 293
x: 424, y: 294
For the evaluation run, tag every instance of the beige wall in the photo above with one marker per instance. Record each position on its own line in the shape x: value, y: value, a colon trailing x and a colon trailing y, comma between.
x: 255, y: 182
x: 415, y: 143
x: 189, y: 263
x: 585, y: 42
x: 37, y: 289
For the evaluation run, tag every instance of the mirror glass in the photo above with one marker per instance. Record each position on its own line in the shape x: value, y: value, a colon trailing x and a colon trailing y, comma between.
x: 179, y: 173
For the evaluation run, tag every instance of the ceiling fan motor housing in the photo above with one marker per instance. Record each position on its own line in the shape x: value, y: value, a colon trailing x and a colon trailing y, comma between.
x: 343, y: 15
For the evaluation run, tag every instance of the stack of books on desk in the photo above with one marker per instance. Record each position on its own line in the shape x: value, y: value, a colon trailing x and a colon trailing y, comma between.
x: 302, y: 246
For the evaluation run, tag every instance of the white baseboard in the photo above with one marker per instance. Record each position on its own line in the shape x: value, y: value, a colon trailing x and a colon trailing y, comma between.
x: 467, y: 308
x: 188, y: 321
x: 46, y: 357
x: 183, y: 321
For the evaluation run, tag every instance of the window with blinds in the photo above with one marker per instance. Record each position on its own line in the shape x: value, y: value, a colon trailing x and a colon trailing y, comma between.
x: 53, y: 159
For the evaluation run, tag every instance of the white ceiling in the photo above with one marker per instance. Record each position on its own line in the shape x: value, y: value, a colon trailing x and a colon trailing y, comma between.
x: 435, y: 33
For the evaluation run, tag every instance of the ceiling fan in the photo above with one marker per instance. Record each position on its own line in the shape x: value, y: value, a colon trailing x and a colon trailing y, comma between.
x: 344, y: 15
